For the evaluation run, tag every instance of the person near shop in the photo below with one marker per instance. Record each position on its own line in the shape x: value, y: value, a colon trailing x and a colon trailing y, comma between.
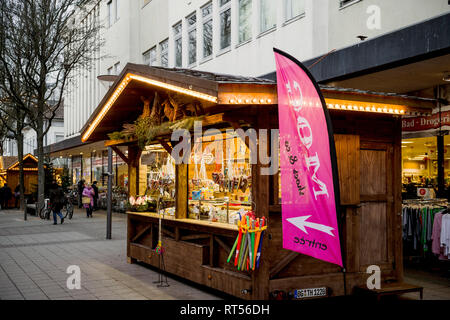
x: 88, y: 200
x: 17, y: 196
x: 56, y: 202
x: 6, y: 196
x: 94, y: 186
x: 80, y: 188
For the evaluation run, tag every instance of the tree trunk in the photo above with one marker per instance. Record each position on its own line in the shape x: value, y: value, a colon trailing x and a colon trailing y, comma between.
x: 19, y: 140
x: 40, y: 155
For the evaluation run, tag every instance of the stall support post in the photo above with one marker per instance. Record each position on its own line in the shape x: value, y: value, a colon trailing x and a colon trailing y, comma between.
x: 261, y: 198
x: 109, y: 196
x: 134, y: 155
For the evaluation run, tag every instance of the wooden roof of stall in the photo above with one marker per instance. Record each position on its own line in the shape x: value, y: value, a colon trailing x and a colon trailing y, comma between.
x: 225, y: 89
x: 224, y: 93
x: 29, y: 162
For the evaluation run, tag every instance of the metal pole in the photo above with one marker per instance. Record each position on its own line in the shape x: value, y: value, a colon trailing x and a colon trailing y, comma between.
x: 109, y: 196
x: 25, y: 209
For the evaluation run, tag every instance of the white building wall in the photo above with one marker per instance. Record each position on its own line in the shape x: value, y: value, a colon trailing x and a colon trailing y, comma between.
x: 142, y: 25
x: 346, y: 23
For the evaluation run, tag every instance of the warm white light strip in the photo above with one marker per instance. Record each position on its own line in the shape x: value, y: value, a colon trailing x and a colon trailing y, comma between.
x: 250, y: 101
x: 171, y: 87
x: 123, y: 85
x: 366, y: 109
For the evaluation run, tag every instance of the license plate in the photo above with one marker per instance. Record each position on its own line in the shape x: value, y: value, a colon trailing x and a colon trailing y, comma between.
x: 310, y: 293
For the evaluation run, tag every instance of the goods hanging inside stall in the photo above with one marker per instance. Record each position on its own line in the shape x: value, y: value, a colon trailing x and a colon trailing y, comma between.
x: 221, y: 222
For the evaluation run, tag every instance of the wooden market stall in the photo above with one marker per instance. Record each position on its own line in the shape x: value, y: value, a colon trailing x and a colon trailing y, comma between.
x: 30, y: 172
x: 367, y: 131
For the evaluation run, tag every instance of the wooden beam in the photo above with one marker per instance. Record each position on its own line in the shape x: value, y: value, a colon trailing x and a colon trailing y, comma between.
x: 141, y: 233
x: 169, y: 233
x: 122, y: 142
x: 120, y: 154
x: 166, y: 146
x: 211, y: 251
x: 226, y: 247
x: 195, y: 237
x: 282, y: 264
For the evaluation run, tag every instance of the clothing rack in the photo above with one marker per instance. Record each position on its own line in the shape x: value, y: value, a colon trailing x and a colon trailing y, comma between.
x: 418, y: 222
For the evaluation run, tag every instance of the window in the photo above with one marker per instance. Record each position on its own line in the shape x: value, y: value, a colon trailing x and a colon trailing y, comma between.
x: 294, y: 8
x: 117, y: 68
x: 164, y: 46
x: 59, y: 137
x: 178, y: 45
x: 225, y: 24
x: 113, y: 5
x: 191, y: 22
x: 343, y: 3
x: 267, y: 15
x: 207, y: 30
x: 150, y: 57
x: 117, y: 9
x: 109, y: 7
x: 245, y: 13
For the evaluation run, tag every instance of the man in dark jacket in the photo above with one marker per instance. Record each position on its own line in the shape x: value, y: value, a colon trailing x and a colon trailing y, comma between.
x: 56, y: 201
x: 6, y: 195
x: 80, y: 188
x: 94, y: 186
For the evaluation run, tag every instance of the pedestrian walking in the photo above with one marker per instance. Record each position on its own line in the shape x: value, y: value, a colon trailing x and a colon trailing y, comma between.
x: 56, y: 202
x: 80, y: 188
x: 94, y: 186
x: 17, y: 196
x: 88, y: 200
x: 6, y: 196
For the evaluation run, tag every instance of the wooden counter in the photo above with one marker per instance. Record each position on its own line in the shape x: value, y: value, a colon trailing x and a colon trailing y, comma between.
x: 193, y: 249
x: 204, y: 223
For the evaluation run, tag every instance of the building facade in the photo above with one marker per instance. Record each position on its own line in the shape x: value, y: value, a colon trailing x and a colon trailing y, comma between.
x: 229, y: 36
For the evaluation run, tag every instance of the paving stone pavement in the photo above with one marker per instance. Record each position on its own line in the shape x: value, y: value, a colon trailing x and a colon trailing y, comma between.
x: 35, y: 255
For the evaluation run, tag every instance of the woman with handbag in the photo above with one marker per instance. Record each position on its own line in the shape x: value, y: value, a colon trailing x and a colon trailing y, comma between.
x: 88, y: 200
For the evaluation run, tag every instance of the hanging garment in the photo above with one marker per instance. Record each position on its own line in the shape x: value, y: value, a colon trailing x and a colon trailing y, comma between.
x: 436, y: 244
x: 445, y: 235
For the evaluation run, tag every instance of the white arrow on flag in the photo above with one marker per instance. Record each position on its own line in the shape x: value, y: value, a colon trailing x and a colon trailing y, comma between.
x: 301, y: 223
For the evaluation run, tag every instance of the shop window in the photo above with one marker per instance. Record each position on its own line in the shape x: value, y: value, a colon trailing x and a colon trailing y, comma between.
x: 219, y: 179
x: 268, y: 16
x: 225, y: 24
x: 207, y: 30
x: 245, y: 15
x: 156, y: 182
x: 293, y: 9
x: 191, y: 23
x: 76, y: 169
x: 164, y: 47
x: 177, y: 32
